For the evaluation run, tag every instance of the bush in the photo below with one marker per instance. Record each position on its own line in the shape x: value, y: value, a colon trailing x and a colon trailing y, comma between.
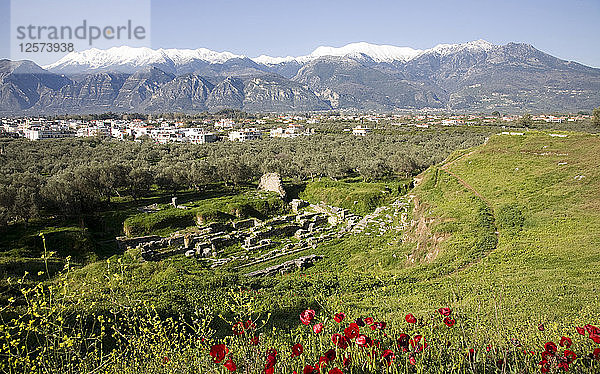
x: 510, y: 218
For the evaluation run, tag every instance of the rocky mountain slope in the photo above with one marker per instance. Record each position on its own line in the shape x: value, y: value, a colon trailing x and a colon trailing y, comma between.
x: 474, y: 76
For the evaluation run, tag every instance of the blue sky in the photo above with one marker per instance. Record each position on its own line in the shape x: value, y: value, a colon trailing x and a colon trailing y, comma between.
x: 566, y: 29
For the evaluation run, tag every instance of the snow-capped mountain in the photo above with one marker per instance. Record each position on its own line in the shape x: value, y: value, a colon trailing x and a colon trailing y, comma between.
x: 378, y: 53
x: 128, y: 59
x: 470, y: 76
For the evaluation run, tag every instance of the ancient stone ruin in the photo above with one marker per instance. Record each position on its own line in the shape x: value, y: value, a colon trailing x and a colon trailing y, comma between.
x: 272, y: 182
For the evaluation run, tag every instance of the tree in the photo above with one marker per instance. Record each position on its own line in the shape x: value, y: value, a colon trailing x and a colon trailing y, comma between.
x: 526, y: 120
x: 596, y: 117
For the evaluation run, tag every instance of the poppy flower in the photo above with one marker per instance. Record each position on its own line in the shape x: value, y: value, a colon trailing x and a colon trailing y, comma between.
x: 309, y: 370
x: 307, y: 316
x: 592, y: 329
x: 352, y: 331
x: 335, y: 371
x: 402, y: 342
x: 471, y: 354
x: 339, y: 341
x: 595, y: 337
x: 361, y: 340
x: 297, y: 350
x: 412, y: 359
x: 580, y: 330
x: 445, y: 311
x: 550, y: 347
x: 230, y: 365
x: 254, y: 340
x: 565, y: 342
x: 330, y: 355
x: 369, y: 320
x: 410, y: 318
x: 379, y: 325
x: 270, y: 370
x: 596, y: 353
x: 218, y: 352
x: 449, y: 321
x: 318, y: 328
x: 570, y: 356
x: 271, y: 359
x: 389, y: 356
x: 339, y: 317
x: 488, y: 348
x: 360, y: 322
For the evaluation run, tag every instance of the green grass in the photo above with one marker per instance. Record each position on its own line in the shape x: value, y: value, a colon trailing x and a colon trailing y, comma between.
x: 225, y: 208
x: 353, y: 194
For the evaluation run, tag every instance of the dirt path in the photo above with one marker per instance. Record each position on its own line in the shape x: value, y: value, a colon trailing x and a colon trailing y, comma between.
x: 476, y: 193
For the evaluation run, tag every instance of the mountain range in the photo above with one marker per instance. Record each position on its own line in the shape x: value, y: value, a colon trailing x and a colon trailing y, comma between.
x: 474, y: 76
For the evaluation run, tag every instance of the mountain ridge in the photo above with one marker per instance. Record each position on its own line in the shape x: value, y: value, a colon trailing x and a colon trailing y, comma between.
x: 475, y: 76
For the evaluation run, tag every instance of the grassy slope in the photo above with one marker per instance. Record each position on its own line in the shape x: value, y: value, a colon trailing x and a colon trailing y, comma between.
x: 546, y: 272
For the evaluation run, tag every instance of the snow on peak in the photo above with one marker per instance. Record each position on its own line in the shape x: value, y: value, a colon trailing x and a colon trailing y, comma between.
x: 95, y: 59
x: 446, y: 49
x: 379, y: 53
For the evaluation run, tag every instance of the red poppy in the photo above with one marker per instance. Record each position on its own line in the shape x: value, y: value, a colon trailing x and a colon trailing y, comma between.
x: 402, y: 342
x: 410, y: 318
x: 369, y: 320
x: 310, y: 370
x: 445, y: 311
x: 238, y: 328
x: 297, y: 350
x: 318, y: 328
x: 412, y: 359
x: 271, y: 358
x: 449, y: 321
x: 218, y: 352
x: 270, y: 370
x: 335, y: 371
x: 378, y: 325
x: 550, y: 347
x: 254, y: 340
x: 360, y: 322
x: 592, y: 329
x: 339, y: 341
x: 307, y: 316
x: 471, y: 354
x: 488, y: 348
x: 570, y: 356
x: 565, y: 342
x: 330, y: 355
x: 596, y: 353
x: 595, y: 337
x: 580, y: 330
x: 230, y: 365
x: 352, y: 331
x: 339, y: 317
x: 361, y: 340
x: 389, y: 356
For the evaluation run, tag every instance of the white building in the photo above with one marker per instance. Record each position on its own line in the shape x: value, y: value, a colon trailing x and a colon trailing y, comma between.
x: 291, y: 131
x: 245, y: 134
x: 39, y: 133
x: 361, y: 130
x: 199, y: 136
